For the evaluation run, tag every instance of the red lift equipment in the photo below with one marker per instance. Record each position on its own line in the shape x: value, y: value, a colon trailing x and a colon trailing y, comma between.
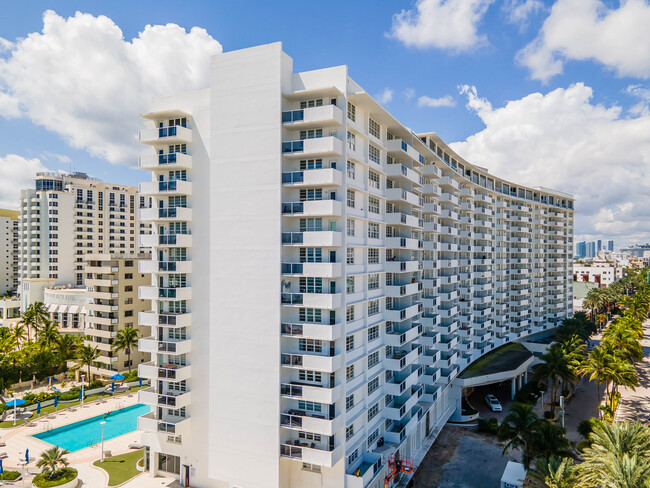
x: 397, y: 465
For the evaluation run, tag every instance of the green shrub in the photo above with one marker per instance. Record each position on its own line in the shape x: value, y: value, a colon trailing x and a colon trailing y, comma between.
x: 95, y: 384
x: 9, y: 475
x: 582, y: 445
x: 488, y: 426
x: 63, y: 476
x: 529, y: 393
x: 132, y: 376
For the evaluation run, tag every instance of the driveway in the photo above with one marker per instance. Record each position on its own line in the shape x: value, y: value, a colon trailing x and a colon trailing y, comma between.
x: 500, y: 390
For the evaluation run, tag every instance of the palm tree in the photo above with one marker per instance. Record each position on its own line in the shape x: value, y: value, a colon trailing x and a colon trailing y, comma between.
x: 555, y: 367
x: 52, y: 461
x: 547, y: 439
x: 126, y: 340
x: 597, y: 366
x: 619, y: 456
x: 48, y: 334
x: 623, y: 374
x: 67, y: 346
x: 556, y: 472
x: 28, y: 319
x: 41, y: 315
x: 516, y: 429
x: 624, y: 341
x: 87, y: 356
x: 18, y: 334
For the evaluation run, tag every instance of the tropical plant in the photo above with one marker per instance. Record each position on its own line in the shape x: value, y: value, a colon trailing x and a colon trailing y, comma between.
x: 516, y: 429
x: 18, y: 334
x: 126, y: 340
x: 547, y: 439
x: 87, y: 356
x: 619, y: 456
x: 28, y: 319
x: 597, y: 366
x: 53, y: 461
x: 553, y: 368
x: 48, y: 334
x: 556, y: 472
x: 67, y: 345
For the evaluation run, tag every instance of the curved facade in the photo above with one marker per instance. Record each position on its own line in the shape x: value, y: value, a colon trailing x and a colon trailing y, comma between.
x: 349, y: 270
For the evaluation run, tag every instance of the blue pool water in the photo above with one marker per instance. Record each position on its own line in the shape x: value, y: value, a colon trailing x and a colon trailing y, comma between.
x: 89, y: 432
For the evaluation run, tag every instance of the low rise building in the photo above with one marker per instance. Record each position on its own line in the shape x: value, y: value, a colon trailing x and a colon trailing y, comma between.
x: 603, y: 273
x: 113, y: 304
x: 9, y: 311
x: 67, y: 307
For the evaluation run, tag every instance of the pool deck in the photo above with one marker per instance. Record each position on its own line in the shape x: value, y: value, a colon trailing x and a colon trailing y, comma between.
x: 19, y: 438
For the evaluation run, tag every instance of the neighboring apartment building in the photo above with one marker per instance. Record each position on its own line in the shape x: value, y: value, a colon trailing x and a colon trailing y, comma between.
x: 8, y: 251
x: 9, y: 311
x: 603, y: 273
x: 67, y: 307
x: 321, y: 275
x: 113, y: 281
x: 66, y: 216
x: 581, y: 250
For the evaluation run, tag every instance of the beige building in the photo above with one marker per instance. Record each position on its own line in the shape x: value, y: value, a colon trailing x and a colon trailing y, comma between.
x: 113, y: 281
x: 9, y: 312
x: 67, y: 216
x: 8, y: 251
x: 67, y: 307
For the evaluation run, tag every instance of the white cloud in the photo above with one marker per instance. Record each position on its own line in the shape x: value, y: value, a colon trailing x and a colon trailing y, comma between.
x: 562, y: 140
x: 385, y: 96
x: 519, y: 11
x: 17, y: 172
x: 409, y: 93
x: 643, y: 94
x: 81, y: 79
x: 446, y: 101
x: 442, y: 24
x: 588, y: 30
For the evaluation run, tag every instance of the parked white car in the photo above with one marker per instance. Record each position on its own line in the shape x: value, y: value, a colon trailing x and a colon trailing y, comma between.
x: 493, y: 403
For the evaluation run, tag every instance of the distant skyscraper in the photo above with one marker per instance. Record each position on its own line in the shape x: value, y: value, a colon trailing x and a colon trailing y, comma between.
x: 581, y: 249
x: 599, y: 245
x: 610, y: 246
x: 591, y: 249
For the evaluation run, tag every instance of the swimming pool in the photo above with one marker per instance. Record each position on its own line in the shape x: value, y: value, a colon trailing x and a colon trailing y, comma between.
x: 89, y: 432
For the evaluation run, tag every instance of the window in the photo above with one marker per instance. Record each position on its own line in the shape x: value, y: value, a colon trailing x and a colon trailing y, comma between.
x: 373, y: 307
x: 311, y: 134
x: 373, y: 385
x: 373, y: 359
x: 349, y: 284
x: 349, y: 432
x: 350, y: 198
x: 373, y: 411
x: 311, y: 467
x: 349, y: 258
x: 352, y: 142
x: 309, y: 436
x: 373, y: 154
x: 373, y: 128
x: 311, y: 285
x: 349, y: 402
x: 373, y: 205
x: 311, y: 376
x: 350, y: 227
x: 310, y: 345
x: 373, y: 230
x: 373, y: 333
x: 349, y: 372
x: 373, y: 180
x: 373, y: 282
x: 373, y: 437
x: 311, y: 406
x: 311, y: 103
x: 353, y: 457
x: 311, y: 224
x: 309, y: 194
x: 310, y: 314
x: 349, y: 313
x: 351, y: 170
x: 349, y: 343
x: 352, y: 112
x: 373, y: 255
x: 311, y: 255
x: 311, y: 164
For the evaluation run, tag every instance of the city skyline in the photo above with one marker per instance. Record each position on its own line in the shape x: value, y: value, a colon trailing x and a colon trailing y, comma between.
x: 90, y: 124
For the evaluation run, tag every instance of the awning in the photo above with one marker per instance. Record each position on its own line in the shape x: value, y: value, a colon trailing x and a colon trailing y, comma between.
x: 74, y: 309
x: 52, y: 307
x: 62, y: 309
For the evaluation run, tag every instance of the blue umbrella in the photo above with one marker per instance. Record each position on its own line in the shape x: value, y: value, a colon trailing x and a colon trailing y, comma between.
x: 140, y: 382
x: 14, y: 403
x: 38, y: 408
x: 117, y: 376
x: 26, y: 455
x: 55, y: 388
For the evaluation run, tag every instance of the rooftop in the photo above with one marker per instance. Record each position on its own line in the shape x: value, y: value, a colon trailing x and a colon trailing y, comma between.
x: 502, y: 359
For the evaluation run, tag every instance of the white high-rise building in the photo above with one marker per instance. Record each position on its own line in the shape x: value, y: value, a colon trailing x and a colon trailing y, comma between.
x: 66, y: 216
x: 8, y: 251
x: 323, y: 275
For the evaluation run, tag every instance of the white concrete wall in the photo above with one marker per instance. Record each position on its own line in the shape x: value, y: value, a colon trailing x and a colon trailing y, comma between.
x: 244, y: 438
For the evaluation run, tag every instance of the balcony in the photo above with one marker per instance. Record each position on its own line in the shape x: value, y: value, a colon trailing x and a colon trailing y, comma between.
x: 312, y: 422
x: 165, y: 346
x: 321, y: 146
x: 431, y: 170
x: 312, y: 117
x: 311, y: 331
x: 325, y: 270
x: 159, y: 188
x: 315, y: 300
x: 327, y: 364
x: 398, y: 218
x: 399, y: 338
x: 403, y: 357
x: 159, y: 293
x: 401, y: 148
x: 163, y: 319
x: 165, y: 214
x: 165, y: 161
x: 149, y: 396
x: 312, y: 393
x: 167, y: 372
x: 402, y: 195
x: 399, y: 171
x: 402, y: 381
x: 402, y: 266
x: 165, y: 266
x: 399, y: 291
x: 101, y: 282
x: 404, y: 243
x: 313, y: 208
x: 326, y: 456
x: 163, y: 240
x: 404, y: 312
x: 312, y: 238
x: 165, y: 135
x: 177, y: 426
x: 313, y: 177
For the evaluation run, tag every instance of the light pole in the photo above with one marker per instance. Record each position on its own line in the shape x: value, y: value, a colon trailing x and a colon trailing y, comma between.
x: 102, y: 423
x: 83, y: 377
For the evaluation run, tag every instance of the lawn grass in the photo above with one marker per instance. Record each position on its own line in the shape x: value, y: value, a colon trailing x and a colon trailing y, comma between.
x: 7, y: 424
x: 121, y: 468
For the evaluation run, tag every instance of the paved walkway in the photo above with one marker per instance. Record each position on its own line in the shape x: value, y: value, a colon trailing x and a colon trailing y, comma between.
x: 635, y: 405
x: 20, y: 438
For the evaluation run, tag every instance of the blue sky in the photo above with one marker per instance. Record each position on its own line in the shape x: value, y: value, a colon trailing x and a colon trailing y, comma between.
x: 588, y: 120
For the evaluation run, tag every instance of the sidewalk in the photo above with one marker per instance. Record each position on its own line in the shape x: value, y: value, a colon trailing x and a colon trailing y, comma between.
x: 635, y: 405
